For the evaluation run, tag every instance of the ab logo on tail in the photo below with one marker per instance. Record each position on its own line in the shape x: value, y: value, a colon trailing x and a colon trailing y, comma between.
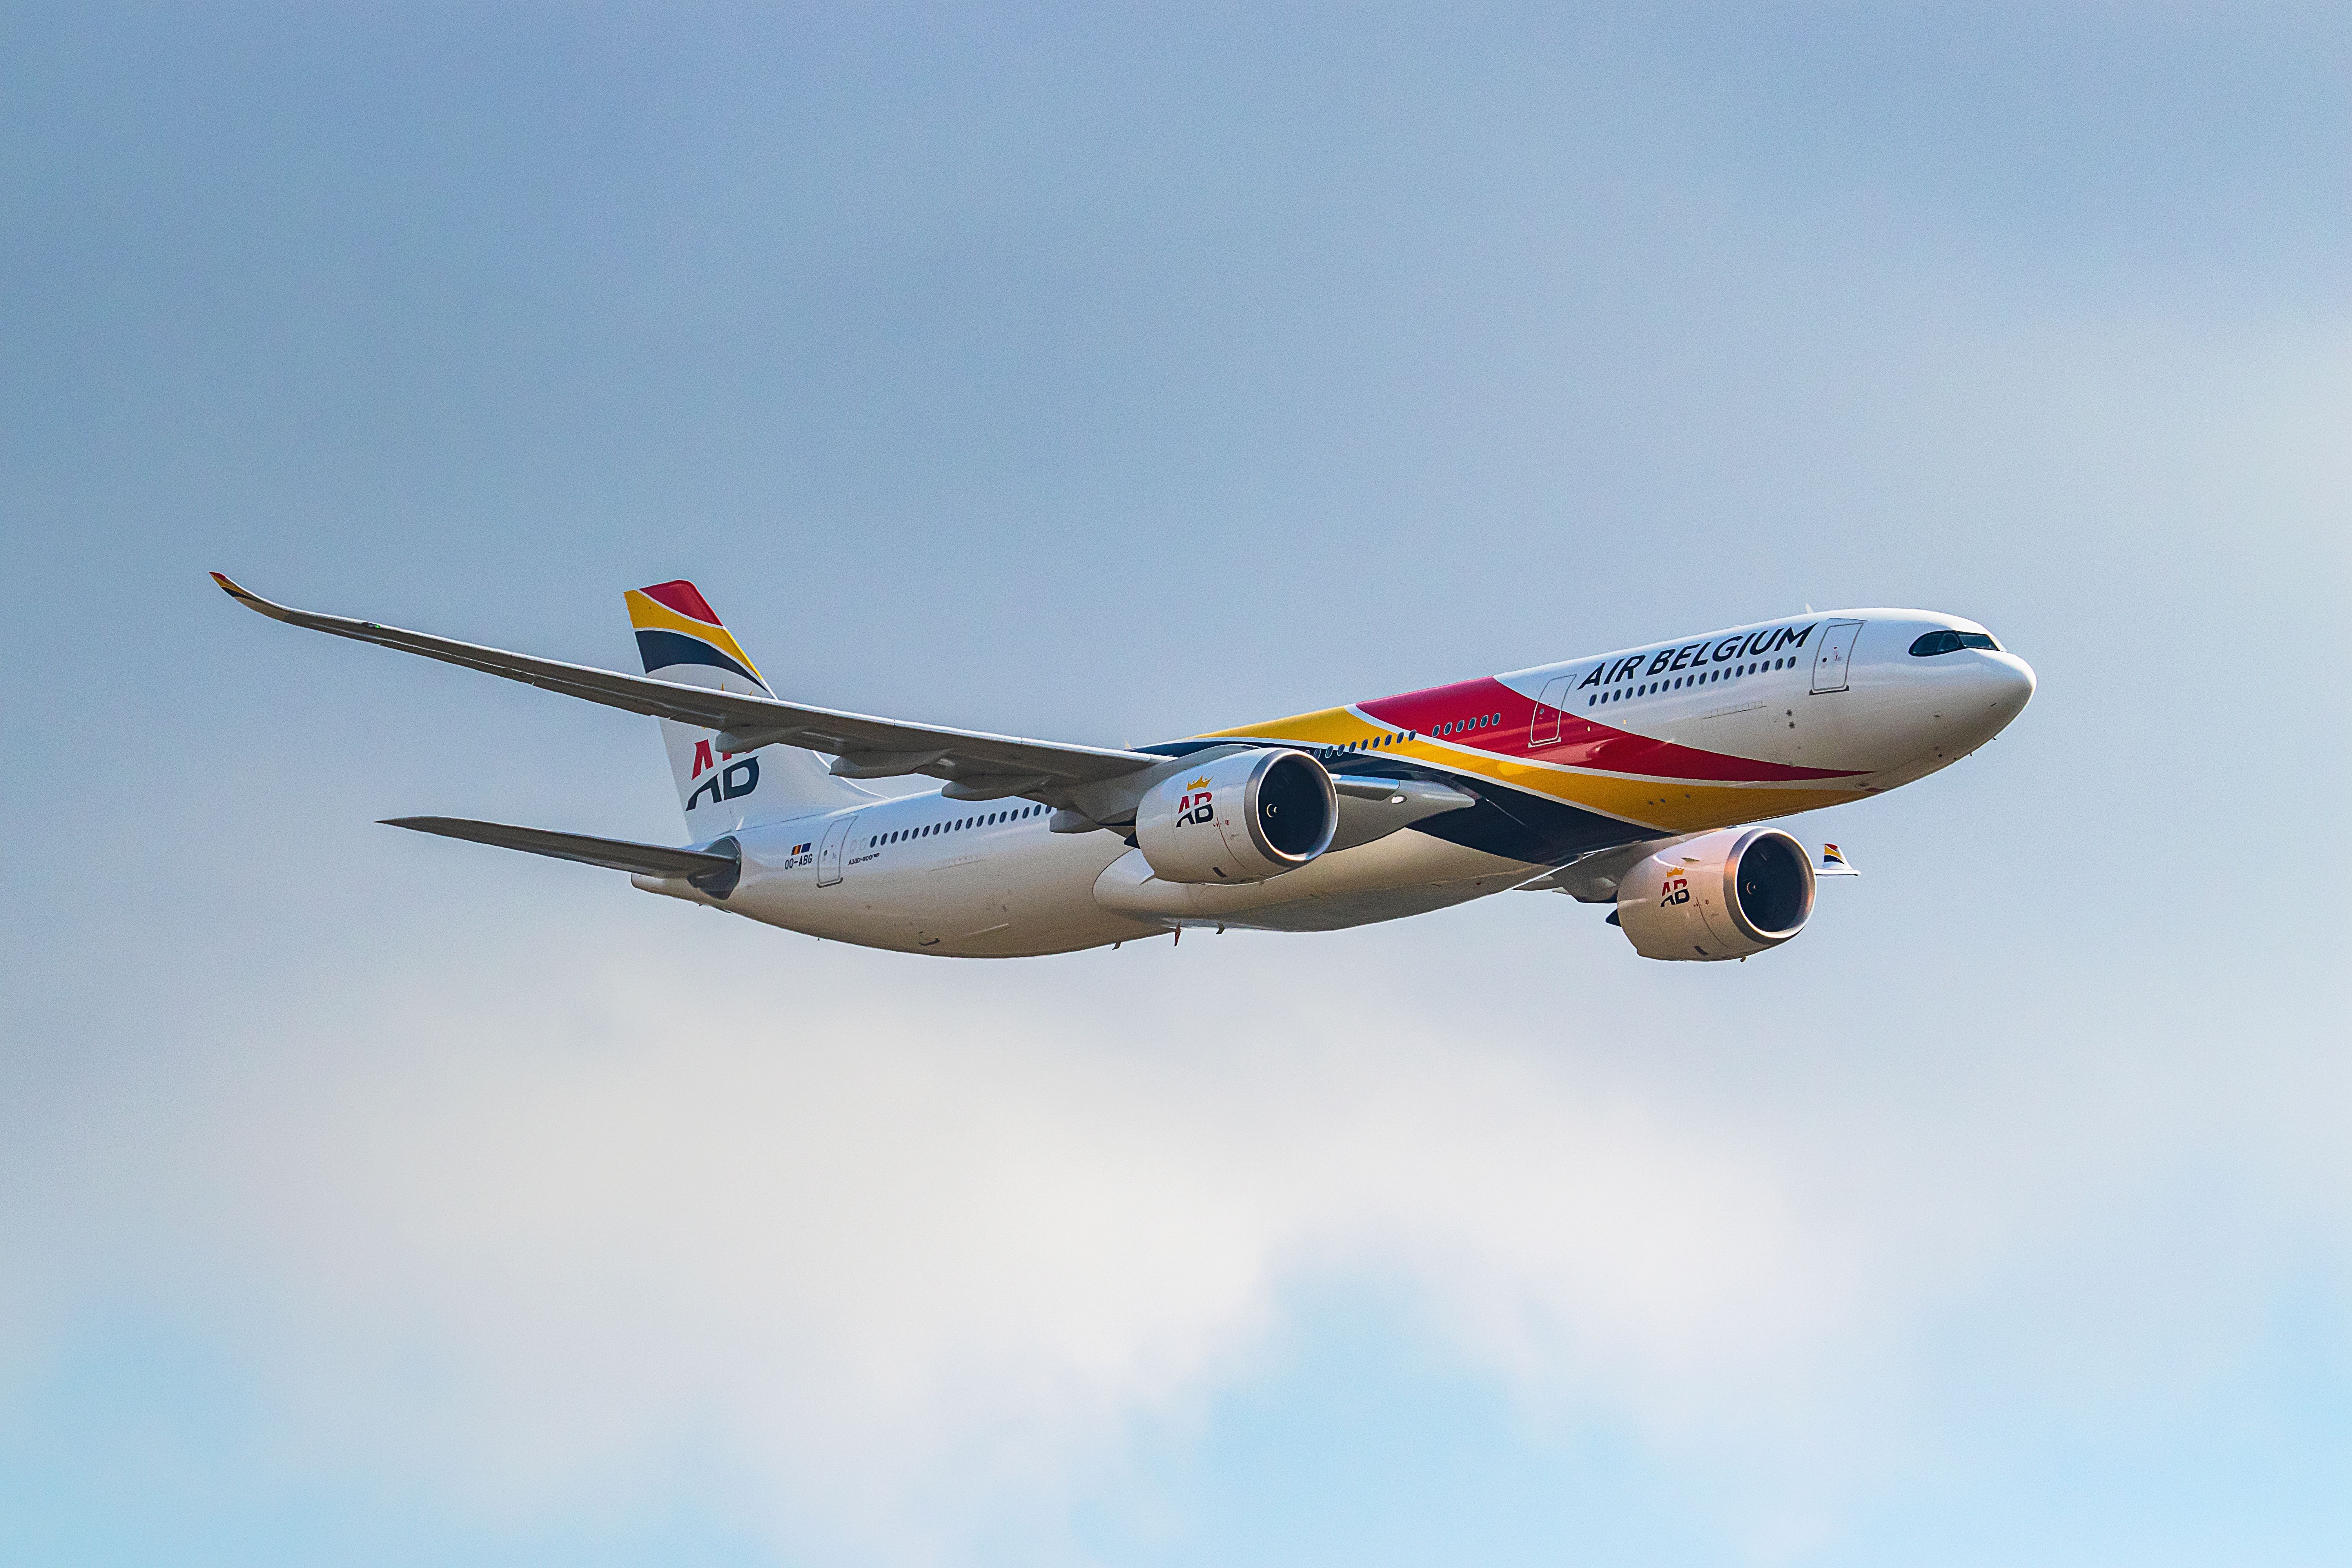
x: 725, y: 783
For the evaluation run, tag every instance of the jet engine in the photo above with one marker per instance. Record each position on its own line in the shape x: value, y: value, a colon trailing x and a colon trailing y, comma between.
x: 1721, y: 895
x: 1241, y: 817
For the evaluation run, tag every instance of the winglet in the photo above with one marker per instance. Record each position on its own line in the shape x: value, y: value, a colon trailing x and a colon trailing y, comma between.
x: 1834, y: 863
x: 248, y: 597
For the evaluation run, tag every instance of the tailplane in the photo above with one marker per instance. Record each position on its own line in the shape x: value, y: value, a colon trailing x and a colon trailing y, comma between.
x: 681, y: 639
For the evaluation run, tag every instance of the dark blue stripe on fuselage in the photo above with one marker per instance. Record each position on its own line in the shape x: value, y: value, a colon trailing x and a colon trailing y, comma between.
x: 1513, y: 823
x: 661, y: 650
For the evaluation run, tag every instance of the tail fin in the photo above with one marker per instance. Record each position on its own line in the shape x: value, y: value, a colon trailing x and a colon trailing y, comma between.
x: 681, y: 639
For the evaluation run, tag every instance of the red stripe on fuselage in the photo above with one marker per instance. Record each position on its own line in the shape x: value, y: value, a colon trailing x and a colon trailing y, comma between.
x: 1581, y: 743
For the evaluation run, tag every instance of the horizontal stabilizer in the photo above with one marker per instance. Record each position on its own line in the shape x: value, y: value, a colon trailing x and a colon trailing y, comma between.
x: 613, y: 853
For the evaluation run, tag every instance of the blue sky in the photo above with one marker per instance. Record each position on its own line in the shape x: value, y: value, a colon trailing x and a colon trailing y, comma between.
x: 1112, y: 375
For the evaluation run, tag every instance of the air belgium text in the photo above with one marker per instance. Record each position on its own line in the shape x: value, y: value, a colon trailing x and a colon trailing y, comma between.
x: 1751, y: 645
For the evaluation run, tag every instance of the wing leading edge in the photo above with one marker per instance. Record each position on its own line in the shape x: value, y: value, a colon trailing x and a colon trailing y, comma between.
x: 975, y: 764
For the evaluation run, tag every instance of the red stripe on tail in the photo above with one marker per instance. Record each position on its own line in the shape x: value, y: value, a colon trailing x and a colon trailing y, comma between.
x: 684, y: 597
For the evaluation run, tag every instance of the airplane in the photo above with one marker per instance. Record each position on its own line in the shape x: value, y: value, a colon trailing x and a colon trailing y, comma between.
x: 1638, y: 779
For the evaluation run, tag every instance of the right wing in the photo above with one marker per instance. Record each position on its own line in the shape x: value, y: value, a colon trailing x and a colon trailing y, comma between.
x: 1593, y: 879
x: 976, y: 765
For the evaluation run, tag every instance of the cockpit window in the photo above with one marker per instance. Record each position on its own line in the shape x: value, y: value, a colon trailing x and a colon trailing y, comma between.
x: 1933, y: 643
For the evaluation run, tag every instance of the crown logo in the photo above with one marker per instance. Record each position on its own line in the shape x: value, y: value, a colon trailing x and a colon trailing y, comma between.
x: 1200, y: 782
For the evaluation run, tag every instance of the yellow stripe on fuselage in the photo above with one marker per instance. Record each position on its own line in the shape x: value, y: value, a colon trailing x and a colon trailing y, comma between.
x: 1677, y: 806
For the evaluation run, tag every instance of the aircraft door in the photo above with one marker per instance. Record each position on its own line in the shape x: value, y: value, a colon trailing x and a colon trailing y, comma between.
x: 828, y: 855
x: 1545, y: 729
x: 1830, y: 658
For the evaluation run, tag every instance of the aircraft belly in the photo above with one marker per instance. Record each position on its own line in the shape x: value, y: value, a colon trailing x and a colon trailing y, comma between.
x: 1009, y: 898
x: 1405, y: 873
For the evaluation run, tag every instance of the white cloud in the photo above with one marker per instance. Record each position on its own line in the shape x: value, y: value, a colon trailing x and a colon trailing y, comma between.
x: 897, y: 1226
x: 856, y: 1230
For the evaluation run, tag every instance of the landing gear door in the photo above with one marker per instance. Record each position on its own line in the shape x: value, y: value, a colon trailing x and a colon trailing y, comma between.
x: 1545, y: 729
x: 828, y: 855
x: 1830, y: 660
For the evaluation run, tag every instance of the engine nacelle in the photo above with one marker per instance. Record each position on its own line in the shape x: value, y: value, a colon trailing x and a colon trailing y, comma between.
x: 1241, y: 817
x: 1722, y: 895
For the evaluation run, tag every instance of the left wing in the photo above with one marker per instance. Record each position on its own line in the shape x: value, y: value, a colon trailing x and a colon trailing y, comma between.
x: 977, y: 765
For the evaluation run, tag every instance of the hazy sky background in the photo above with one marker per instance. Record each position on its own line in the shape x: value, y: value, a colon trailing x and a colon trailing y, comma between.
x: 1110, y: 374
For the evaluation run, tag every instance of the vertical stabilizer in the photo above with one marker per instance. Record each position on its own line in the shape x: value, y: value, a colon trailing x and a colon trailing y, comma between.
x: 681, y: 640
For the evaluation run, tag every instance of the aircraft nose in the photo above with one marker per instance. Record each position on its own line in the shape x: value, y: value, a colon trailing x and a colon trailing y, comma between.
x: 2005, y: 684
x: 2011, y: 679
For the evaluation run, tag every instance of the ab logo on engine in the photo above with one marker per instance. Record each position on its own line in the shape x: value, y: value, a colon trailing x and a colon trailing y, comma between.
x: 1197, y: 807
x: 1674, y: 891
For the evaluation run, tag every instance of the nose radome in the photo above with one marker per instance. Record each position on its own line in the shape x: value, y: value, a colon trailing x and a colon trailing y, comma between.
x: 2015, y: 679
x: 2007, y: 686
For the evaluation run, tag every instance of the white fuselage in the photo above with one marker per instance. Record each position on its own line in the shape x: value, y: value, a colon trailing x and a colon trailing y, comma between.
x: 1610, y: 749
